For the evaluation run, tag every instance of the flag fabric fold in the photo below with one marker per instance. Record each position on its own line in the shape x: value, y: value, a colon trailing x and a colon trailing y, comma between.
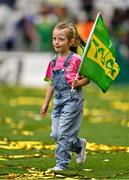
x: 99, y: 58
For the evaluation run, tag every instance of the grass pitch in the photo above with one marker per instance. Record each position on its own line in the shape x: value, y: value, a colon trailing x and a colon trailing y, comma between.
x: 27, y: 151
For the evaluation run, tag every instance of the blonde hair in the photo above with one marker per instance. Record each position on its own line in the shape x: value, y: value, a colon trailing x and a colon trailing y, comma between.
x: 72, y: 33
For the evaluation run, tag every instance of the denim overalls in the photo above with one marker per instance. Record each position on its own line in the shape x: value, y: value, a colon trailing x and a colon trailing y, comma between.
x: 66, y: 116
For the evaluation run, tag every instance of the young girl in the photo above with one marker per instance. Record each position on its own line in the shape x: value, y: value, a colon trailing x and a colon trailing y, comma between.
x: 68, y: 100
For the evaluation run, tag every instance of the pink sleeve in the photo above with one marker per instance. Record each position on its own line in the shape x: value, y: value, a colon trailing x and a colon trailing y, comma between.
x: 78, y: 62
x: 48, y: 76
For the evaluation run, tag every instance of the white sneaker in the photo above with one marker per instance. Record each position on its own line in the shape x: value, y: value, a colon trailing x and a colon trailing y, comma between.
x: 56, y: 168
x: 81, y: 157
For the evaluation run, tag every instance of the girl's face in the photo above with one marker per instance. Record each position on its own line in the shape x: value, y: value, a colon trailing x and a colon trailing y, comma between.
x: 61, y: 43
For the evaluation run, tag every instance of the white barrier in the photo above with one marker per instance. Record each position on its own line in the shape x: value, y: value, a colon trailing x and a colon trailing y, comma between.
x: 27, y: 69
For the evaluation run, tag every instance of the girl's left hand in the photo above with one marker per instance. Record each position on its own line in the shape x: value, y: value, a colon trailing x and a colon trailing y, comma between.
x: 75, y: 83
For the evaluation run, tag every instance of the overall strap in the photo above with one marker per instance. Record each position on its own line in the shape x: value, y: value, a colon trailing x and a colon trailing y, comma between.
x: 54, y: 61
x: 66, y: 63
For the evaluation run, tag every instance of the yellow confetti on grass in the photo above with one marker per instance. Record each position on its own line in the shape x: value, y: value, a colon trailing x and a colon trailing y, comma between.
x: 103, y: 147
x: 27, y: 133
x: 97, y: 113
x: 88, y: 170
x: 5, y: 157
x: 122, y: 106
x: 26, y: 145
x: 2, y: 159
x: 26, y: 100
x: 23, y: 100
x: 39, y: 145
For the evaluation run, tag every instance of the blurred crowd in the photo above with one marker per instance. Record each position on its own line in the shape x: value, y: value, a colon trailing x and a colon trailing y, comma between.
x: 32, y: 30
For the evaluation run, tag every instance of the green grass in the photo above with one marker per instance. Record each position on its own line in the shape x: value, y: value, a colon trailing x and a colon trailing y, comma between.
x: 27, y: 151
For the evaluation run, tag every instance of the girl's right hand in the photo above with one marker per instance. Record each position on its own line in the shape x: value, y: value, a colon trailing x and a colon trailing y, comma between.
x: 43, y: 110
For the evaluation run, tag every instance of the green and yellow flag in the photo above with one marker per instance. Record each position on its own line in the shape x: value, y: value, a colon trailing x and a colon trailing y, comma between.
x: 99, y: 58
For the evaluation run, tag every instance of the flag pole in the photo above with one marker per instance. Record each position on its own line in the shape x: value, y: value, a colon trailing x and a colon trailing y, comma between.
x: 72, y: 89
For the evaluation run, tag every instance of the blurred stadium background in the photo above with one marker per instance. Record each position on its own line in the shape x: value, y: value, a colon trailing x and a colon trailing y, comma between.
x: 26, y: 34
